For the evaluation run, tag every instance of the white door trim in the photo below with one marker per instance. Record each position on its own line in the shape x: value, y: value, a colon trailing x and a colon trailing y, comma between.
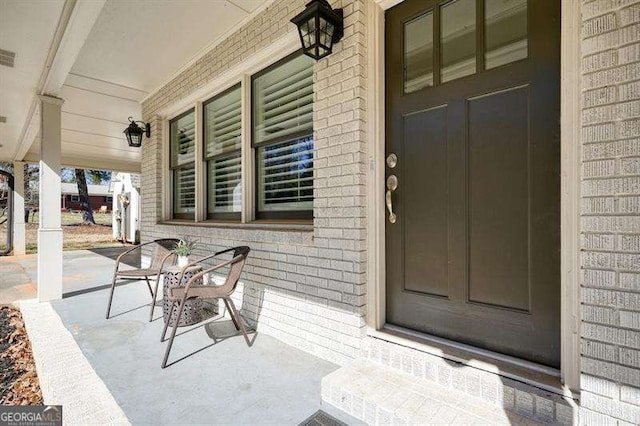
x: 570, y: 155
x: 376, y: 294
x: 569, y: 169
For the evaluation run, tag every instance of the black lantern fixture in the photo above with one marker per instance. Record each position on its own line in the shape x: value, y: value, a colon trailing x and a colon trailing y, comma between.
x: 134, y: 132
x: 319, y: 27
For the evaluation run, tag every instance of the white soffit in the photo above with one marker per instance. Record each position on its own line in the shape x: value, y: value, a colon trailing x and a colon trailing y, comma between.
x: 26, y: 28
x: 133, y: 47
x: 141, y: 43
x: 105, y: 66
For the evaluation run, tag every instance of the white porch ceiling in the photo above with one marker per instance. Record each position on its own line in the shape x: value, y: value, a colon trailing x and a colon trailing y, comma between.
x: 26, y: 28
x: 142, y: 43
x: 131, y: 50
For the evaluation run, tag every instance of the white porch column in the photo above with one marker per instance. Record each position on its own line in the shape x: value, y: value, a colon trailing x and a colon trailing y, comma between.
x: 50, y: 229
x: 19, y: 235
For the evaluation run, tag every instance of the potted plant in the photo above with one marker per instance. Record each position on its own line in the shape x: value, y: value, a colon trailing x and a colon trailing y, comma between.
x: 183, y: 250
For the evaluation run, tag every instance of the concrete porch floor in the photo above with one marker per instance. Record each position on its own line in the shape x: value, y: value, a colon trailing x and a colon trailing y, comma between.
x: 82, y: 270
x: 217, y: 378
x: 108, y: 371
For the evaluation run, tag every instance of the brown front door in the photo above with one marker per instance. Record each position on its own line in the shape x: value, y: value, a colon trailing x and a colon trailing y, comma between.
x: 472, y: 115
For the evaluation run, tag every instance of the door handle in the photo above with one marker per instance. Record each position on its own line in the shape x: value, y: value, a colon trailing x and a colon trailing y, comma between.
x: 392, y: 184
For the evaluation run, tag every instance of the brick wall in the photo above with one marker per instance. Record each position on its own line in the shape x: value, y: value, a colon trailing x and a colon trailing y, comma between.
x: 610, y: 331
x: 306, y: 287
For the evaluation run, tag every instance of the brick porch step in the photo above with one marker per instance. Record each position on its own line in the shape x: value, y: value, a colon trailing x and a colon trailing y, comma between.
x: 380, y: 395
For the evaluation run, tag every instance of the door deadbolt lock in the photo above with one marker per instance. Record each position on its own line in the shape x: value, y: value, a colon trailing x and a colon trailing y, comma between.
x: 392, y: 185
x: 392, y: 160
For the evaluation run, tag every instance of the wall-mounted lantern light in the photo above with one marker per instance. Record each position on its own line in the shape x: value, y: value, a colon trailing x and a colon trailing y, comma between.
x: 134, y: 132
x: 319, y: 27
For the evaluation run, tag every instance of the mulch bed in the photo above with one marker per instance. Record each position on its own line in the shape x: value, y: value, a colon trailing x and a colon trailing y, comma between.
x: 18, y: 379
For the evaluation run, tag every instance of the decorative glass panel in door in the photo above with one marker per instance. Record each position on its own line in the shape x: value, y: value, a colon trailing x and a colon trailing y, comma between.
x: 458, y: 39
x: 505, y: 32
x: 418, y: 53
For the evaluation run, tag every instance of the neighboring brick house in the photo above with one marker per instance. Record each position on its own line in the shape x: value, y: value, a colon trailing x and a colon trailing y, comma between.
x: 316, y: 274
x: 99, y: 195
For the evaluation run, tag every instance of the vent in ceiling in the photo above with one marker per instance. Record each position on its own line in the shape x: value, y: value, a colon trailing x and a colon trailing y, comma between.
x: 7, y: 58
x: 3, y: 119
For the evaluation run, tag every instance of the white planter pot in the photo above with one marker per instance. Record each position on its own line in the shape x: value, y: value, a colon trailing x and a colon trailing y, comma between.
x: 183, y: 261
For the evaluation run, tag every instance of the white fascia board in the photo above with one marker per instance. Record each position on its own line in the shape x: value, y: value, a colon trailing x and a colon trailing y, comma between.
x: 83, y: 18
x: 30, y: 132
x: 126, y: 166
x: 76, y: 21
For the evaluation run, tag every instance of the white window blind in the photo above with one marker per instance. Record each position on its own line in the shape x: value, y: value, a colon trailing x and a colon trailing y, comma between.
x: 184, y: 191
x: 283, y: 135
x: 225, y: 189
x: 182, y: 142
x: 222, y: 118
x: 183, y: 139
x: 283, y: 101
x: 285, y: 175
x: 222, y: 135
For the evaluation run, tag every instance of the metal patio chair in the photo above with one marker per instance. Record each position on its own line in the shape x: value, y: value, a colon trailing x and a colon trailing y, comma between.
x: 162, y: 256
x: 179, y: 294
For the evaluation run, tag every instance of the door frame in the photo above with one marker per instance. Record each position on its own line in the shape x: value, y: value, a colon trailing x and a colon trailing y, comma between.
x: 570, y: 154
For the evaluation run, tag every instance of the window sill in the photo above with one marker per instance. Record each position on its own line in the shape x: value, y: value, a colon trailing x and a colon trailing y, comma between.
x: 269, y: 225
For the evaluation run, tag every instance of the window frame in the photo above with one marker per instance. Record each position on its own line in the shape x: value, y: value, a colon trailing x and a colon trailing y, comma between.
x: 435, y: 8
x: 277, y: 214
x: 221, y: 216
x: 241, y: 75
x: 172, y: 169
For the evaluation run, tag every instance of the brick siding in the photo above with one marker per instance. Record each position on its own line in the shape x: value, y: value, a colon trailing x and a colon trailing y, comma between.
x: 306, y: 287
x: 610, y: 227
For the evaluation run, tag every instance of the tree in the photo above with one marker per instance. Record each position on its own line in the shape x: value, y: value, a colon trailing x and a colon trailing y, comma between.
x: 68, y: 175
x: 31, y: 190
x: 83, y: 193
x: 95, y: 177
x: 98, y: 177
x: 31, y: 183
x: 4, y: 192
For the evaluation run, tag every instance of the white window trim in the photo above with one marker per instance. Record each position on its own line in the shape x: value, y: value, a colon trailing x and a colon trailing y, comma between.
x: 167, y: 172
x: 239, y: 74
x: 570, y: 184
x: 200, y: 171
x: 247, y: 153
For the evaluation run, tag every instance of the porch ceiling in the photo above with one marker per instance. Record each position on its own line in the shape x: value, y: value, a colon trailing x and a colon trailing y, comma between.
x: 103, y: 58
x: 27, y: 29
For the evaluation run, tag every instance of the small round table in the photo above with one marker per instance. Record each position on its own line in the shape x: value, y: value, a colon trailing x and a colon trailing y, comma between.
x: 192, y: 313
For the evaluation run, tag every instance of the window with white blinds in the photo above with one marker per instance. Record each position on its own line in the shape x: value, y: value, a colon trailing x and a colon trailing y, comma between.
x: 182, y: 143
x: 285, y: 176
x: 279, y: 140
x: 222, y: 138
x: 282, y: 108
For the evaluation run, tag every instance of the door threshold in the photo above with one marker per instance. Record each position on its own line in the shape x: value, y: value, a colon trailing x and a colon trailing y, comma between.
x: 527, y: 372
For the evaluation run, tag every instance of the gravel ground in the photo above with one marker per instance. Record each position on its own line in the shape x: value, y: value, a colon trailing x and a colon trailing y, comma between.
x: 18, y: 379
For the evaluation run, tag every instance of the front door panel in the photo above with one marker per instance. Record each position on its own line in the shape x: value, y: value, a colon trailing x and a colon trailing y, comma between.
x: 426, y: 180
x: 472, y: 113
